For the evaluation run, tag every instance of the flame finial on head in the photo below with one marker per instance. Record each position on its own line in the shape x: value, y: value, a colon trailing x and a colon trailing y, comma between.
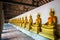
x: 38, y: 14
x: 52, y: 11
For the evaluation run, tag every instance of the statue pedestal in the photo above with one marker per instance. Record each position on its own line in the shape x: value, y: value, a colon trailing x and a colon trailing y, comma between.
x: 51, y: 37
x: 23, y: 25
x: 47, y: 29
x: 28, y: 27
x: 20, y: 25
x: 35, y: 29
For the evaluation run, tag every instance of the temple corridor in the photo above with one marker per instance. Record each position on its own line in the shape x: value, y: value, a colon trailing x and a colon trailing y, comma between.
x: 29, y: 19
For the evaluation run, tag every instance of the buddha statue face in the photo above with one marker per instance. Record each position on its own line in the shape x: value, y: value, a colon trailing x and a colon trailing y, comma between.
x: 52, y: 13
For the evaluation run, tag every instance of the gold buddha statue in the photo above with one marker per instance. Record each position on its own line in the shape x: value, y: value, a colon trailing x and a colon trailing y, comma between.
x: 49, y: 27
x: 36, y: 27
x: 52, y: 20
x: 22, y: 21
x: 28, y: 26
x: 25, y: 22
x: 30, y: 20
x: 38, y: 20
x: 18, y: 21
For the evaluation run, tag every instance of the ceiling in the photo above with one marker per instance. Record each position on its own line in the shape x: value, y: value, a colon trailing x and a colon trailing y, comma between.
x: 14, y: 8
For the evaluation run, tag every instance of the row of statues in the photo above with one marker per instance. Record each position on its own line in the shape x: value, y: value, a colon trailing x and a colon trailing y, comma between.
x: 37, y: 27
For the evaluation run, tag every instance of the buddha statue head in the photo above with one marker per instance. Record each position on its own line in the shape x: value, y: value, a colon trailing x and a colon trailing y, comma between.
x: 25, y: 17
x: 38, y: 15
x: 20, y: 18
x: 52, y: 13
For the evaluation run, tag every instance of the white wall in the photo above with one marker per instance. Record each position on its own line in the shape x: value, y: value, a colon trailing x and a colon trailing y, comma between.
x: 44, y: 11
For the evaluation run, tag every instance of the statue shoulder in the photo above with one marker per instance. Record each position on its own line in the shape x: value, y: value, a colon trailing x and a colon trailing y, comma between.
x: 55, y: 16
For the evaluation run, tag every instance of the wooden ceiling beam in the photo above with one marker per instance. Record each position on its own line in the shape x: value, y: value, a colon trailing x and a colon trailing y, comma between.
x: 44, y: 1
x: 14, y: 2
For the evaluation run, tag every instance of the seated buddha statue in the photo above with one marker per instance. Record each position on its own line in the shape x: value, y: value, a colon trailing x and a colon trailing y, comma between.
x: 15, y: 21
x: 18, y: 21
x: 36, y: 27
x: 30, y: 21
x: 22, y: 21
x: 49, y: 27
x: 52, y: 20
x: 38, y: 20
x: 25, y: 22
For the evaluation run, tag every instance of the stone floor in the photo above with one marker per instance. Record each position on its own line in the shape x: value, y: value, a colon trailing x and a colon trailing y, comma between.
x: 11, y: 33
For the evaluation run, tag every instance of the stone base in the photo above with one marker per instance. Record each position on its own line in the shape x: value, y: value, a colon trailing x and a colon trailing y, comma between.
x: 36, y: 29
x: 48, y: 31
x: 51, y: 37
x: 28, y: 27
x: 23, y: 25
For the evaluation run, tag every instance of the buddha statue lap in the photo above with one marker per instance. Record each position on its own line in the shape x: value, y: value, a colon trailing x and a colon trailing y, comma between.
x: 36, y: 27
x: 28, y: 26
x: 50, y: 26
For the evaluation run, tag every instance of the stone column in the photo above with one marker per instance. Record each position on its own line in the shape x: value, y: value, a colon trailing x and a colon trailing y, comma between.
x: 1, y: 18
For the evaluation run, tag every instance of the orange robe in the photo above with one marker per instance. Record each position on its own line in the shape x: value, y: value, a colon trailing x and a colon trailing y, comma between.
x: 51, y: 20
